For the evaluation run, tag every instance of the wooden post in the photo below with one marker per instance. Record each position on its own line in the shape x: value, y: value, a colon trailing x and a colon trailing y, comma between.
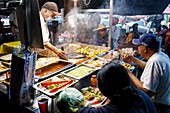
x: 110, y: 24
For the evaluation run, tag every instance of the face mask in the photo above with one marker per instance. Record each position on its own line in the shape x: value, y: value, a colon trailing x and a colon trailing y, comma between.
x: 48, y: 19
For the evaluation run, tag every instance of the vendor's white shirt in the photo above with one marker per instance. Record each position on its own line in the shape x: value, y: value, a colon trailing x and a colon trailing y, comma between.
x: 45, y: 31
x: 156, y: 77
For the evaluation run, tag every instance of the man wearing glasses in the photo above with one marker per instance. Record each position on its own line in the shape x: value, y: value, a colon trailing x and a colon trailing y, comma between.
x: 48, y: 11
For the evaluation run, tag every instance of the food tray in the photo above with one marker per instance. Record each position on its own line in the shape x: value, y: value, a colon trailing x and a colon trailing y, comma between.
x: 129, y: 66
x: 85, y: 82
x: 91, y: 98
x: 42, y: 89
x: 52, y: 69
x: 97, y: 62
x: 77, y: 68
x: 110, y: 55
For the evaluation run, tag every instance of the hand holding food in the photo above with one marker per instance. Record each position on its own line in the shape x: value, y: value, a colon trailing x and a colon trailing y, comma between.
x: 126, y: 57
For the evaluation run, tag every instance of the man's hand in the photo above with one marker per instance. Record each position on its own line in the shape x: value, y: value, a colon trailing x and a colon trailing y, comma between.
x: 127, y: 58
x: 60, y: 52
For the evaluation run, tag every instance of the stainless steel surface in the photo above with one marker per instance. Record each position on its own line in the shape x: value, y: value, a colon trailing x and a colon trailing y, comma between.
x: 65, y: 72
x: 57, y: 71
x: 53, y: 94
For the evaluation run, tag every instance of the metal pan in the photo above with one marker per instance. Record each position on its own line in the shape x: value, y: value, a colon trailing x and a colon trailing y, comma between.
x: 85, y: 82
x: 79, y: 71
x: 52, y: 69
x: 46, y: 91
x: 96, y: 62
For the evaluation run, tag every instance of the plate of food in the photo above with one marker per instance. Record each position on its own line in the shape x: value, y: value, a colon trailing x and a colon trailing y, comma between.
x: 97, y: 62
x: 93, y: 96
x: 55, y: 84
x: 129, y: 66
x: 79, y: 71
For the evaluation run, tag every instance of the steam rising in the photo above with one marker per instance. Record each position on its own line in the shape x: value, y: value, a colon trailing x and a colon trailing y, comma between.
x: 86, y: 22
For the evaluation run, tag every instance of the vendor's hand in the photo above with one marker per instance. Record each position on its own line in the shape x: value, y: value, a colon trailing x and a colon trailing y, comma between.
x: 60, y: 52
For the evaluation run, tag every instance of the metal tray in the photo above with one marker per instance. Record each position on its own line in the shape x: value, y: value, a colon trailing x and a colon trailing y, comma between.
x: 67, y: 71
x: 93, y: 62
x: 108, y: 58
x: 85, y: 82
x: 46, y: 92
x: 52, y: 72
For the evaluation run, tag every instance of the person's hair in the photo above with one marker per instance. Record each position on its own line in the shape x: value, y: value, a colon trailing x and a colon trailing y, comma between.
x: 165, y: 27
x: 113, y: 79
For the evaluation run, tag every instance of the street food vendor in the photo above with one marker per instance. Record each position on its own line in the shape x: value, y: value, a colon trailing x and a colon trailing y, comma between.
x: 101, y: 37
x: 155, y: 79
x: 48, y: 11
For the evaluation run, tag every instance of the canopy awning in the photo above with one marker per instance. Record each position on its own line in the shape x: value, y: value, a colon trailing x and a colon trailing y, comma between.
x: 167, y: 10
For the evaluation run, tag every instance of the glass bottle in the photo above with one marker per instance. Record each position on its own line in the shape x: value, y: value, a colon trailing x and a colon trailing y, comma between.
x: 93, y: 81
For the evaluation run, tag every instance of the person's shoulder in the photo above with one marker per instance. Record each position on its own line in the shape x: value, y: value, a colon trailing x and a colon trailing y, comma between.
x: 109, y: 108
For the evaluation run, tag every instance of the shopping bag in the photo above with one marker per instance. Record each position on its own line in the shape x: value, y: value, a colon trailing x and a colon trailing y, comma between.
x: 22, y: 75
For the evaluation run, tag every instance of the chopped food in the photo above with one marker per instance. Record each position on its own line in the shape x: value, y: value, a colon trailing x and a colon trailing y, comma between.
x: 54, y: 84
x: 89, y: 51
x: 80, y: 72
x: 97, y: 63
x: 129, y: 66
x: 91, y: 93
x: 109, y: 56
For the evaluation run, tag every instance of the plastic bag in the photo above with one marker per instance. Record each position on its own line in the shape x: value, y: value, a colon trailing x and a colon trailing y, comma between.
x: 70, y: 100
x: 22, y: 75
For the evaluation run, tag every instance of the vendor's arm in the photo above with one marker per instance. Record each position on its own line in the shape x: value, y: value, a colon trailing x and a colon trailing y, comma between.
x: 139, y: 84
x: 55, y: 50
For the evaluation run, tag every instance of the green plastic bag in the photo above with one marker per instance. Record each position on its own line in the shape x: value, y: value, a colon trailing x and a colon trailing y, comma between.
x: 70, y: 100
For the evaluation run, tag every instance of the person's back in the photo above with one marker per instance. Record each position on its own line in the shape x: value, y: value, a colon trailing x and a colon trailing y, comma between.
x: 161, y: 69
x: 124, y: 98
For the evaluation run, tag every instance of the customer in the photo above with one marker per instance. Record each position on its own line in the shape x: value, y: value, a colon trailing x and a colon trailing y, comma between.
x: 114, y: 83
x: 48, y: 11
x: 115, y: 33
x: 101, y: 38
x: 155, y: 79
x: 134, y: 34
x: 166, y: 46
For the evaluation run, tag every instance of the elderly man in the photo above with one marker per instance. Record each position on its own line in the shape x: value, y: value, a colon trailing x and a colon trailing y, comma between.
x: 101, y: 38
x: 48, y: 11
x: 115, y: 33
x: 155, y: 79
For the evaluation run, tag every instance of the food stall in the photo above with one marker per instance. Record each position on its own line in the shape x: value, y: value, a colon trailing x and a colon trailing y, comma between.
x: 53, y: 74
